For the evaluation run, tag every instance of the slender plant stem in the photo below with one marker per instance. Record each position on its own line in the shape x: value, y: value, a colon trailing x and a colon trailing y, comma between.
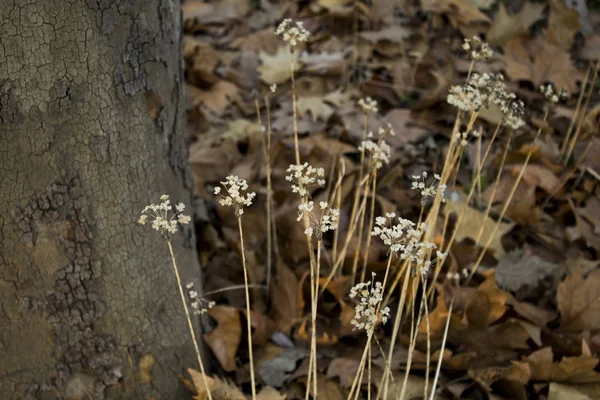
x: 338, y: 203
x: 508, y: 200
x: 493, y: 194
x: 370, y: 229
x: 386, y: 373
x: 413, y: 341
x: 563, y: 146
x: 441, y: 357
x: 189, y: 321
x: 361, y: 218
x: 294, y: 108
x: 585, y: 108
x: 248, y: 314
x: 428, y: 360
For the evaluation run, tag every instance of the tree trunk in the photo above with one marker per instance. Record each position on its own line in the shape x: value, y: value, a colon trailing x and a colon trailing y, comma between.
x: 91, y: 131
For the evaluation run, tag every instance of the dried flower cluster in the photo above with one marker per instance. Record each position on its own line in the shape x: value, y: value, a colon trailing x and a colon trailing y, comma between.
x: 477, y: 49
x: 551, y: 94
x: 158, y: 216
x: 370, y: 295
x: 318, y: 225
x: 236, y: 195
x: 305, y: 177
x: 428, y: 191
x: 404, y: 240
x: 378, y: 152
x: 198, y: 304
x: 292, y: 34
x: 484, y: 91
x: 368, y: 105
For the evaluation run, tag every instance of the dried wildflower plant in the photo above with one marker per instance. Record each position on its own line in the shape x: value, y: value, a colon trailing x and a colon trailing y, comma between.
x: 404, y: 241
x: 236, y: 195
x: 199, y: 304
x: 552, y: 94
x: 378, y: 152
x: 477, y: 49
x: 431, y: 190
x: 327, y: 220
x: 292, y: 34
x: 484, y: 91
x: 161, y: 217
x: 367, y: 312
x: 368, y: 105
x: 304, y: 178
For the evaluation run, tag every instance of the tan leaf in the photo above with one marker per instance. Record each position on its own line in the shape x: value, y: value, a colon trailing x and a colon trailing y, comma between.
x: 404, y: 126
x: 269, y: 393
x: 474, y: 220
x: 459, y: 11
x: 559, y: 391
x: 225, y: 338
x: 197, y: 13
x: 324, y: 63
x: 277, y: 69
x: 538, y: 61
x: 217, y: 98
x: 344, y: 369
x: 315, y: 106
x: 579, y: 301
x: 516, y: 372
x: 506, y: 27
x: 591, y: 50
x: 394, y: 34
x: 261, y: 41
x: 284, y: 308
x: 563, y: 24
x: 569, y: 369
x: 220, y: 390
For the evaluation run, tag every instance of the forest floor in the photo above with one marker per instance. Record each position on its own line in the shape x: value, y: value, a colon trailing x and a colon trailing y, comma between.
x: 527, y: 324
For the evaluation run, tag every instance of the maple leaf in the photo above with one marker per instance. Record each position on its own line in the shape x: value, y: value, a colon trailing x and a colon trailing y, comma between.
x: 579, y: 301
x: 569, y: 369
x: 506, y: 27
x: 538, y: 61
x: 315, y: 106
x: 276, y: 69
x: 217, y: 98
x: 563, y: 24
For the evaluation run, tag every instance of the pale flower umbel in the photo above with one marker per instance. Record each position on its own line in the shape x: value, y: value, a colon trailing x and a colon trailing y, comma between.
x: 235, y: 195
x: 428, y: 191
x: 404, y: 241
x: 304, y: 178
x: 368, y: 105
x: 477, y: 49
x: 369, y: 296
x: 378, y: 152
x: 162, y: 218
x: 199, y: 305
x: 552, y: 94
x: 318, y: 225
x: 292, y: 34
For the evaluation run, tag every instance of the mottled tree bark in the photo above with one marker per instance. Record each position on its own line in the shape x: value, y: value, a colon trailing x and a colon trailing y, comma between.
x: 91, y: 131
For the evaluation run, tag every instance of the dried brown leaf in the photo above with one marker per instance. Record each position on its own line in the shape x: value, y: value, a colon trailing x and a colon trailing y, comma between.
x: 225, y: 338
x: 578, y: 300
x: 507, y: 27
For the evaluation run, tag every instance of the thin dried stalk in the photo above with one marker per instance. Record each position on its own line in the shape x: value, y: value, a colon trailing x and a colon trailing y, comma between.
x: 248, y: 314
x: 189, y: 320
x: 585, y: 109
x: 508, y: 200
x: 563, y: 146
x: 441, y: 358
x: 370, y: 228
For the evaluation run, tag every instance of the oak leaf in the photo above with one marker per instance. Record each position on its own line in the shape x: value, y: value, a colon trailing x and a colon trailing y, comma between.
x: 569, y: 369
x: 219, y: 389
